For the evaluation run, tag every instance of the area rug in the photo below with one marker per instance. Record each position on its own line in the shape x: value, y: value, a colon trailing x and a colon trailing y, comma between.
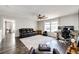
x: 34, y: 41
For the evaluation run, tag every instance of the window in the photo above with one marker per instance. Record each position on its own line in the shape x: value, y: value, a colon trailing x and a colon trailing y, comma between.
x: 54, y: 26
x: 51, y: 26
x: 47, y: 26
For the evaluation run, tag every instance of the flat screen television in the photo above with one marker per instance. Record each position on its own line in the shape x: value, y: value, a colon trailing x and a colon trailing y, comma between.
x: 69, y: 27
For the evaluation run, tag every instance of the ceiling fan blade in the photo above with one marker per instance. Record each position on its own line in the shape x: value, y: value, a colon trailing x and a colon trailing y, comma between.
x: 41, y: 17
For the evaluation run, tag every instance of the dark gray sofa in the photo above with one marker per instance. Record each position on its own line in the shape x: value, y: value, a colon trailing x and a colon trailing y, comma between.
x: 26, y: 32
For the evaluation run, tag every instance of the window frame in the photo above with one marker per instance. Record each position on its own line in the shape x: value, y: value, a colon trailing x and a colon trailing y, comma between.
x: 50, y: 30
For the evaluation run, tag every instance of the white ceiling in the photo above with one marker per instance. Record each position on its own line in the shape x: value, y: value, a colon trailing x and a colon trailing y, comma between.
x: 31, y: 11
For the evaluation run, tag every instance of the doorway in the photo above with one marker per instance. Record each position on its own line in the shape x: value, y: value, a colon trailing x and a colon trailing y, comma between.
x: 8, y: 33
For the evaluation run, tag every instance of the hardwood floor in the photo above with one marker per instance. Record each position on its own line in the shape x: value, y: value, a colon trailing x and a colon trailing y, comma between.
x: 19, y: 47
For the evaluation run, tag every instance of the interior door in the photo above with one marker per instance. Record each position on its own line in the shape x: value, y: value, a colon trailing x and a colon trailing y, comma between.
x: 9, y: 33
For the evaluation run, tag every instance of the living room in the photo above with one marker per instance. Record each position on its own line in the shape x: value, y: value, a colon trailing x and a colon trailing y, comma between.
x: 37, y: 22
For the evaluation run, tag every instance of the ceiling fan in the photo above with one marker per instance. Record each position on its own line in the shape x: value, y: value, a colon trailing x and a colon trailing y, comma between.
x: 41, y: 16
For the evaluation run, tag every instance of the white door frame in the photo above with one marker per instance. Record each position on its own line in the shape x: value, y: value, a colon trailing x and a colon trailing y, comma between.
x: 4, y: 26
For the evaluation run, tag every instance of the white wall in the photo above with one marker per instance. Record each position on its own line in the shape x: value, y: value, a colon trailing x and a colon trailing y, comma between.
x: 1, y: 23
x: 40, y: 25
x: 68, y: 20
x: 1, y: 29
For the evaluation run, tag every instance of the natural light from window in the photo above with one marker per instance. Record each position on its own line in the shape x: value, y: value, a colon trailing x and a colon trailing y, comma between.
x: 51, y: 26
x: 47, y: 26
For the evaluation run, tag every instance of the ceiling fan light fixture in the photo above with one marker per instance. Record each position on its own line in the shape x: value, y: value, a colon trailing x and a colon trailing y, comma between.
x: 40, y: 17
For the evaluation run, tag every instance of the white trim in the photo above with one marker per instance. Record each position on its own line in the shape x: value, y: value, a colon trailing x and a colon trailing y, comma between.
x: 3, y: 28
